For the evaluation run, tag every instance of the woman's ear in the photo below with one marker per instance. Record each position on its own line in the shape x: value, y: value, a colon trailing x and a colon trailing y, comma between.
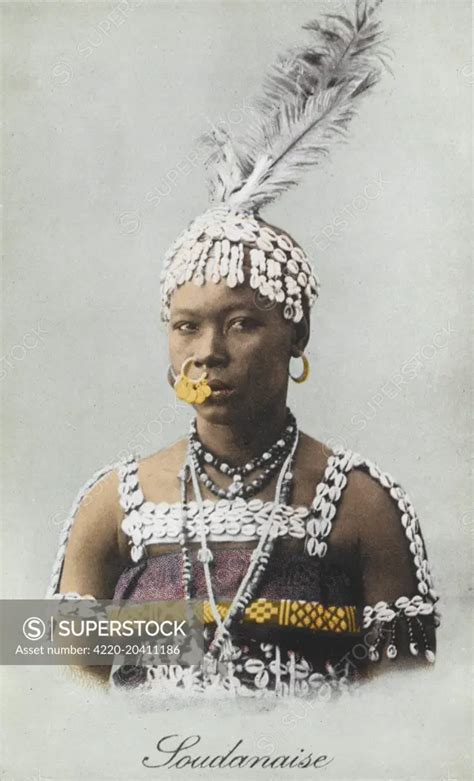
x: 171, y: 376
x: 300, y: 337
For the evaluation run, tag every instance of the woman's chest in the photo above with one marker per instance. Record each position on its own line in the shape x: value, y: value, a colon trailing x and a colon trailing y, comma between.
x: 290, y: 573
x: 159, y: 528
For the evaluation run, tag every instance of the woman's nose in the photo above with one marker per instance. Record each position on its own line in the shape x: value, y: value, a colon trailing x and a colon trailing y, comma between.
x: 210, y: 349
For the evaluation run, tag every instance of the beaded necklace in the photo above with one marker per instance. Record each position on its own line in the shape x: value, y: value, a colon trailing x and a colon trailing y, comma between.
x: 268, y: 461
x: 221, y: 647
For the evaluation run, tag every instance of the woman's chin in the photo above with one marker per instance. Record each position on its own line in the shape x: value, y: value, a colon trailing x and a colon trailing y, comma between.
x: 221, y: 409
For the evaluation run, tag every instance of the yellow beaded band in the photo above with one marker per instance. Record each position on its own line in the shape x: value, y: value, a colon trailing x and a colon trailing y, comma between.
x: 293, y: 613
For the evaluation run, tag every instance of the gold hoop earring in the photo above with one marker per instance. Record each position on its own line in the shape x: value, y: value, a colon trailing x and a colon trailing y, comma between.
x: 305, y: 372
x: 192, y: 391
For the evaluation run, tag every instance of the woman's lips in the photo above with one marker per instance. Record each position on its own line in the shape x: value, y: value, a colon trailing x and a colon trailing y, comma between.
x: 218, y: 385
x: 220, y: 390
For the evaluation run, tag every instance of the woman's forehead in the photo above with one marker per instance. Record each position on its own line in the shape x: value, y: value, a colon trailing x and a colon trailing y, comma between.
x: 215, y: 297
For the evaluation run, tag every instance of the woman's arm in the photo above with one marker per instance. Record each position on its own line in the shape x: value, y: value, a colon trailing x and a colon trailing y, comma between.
x: 93, y: 559
x: 389, y: 579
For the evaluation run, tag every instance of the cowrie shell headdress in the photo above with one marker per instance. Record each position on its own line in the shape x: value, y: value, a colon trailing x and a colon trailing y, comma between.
x: 307, y: 102
x: 212, y: 249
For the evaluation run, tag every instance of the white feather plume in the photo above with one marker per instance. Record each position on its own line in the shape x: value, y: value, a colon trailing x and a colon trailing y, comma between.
x: 308, y: 100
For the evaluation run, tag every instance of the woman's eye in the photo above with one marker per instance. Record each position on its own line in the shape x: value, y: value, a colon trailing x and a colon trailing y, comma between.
x: 244, y: 324
x: 185, y: 328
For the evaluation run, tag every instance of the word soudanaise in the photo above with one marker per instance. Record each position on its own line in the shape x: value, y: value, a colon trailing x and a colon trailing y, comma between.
x: 174, y: 753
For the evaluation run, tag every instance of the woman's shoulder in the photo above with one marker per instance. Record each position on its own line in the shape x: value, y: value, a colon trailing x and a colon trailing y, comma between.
x: 365, y: 481
x: 365, y: 510
x: 368, y: 497
x: 167, y: 459
x: 157, y: 473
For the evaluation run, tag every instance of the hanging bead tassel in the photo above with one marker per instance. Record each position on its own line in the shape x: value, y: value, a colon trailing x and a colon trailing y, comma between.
x: 374, y: 655
x: 184, y: 476
x: 391, y: 650
x: 413, y: 645
x: 429, y: 653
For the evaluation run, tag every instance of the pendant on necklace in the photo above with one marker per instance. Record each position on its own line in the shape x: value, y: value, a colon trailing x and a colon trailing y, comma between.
x: 209, y: 664
x: 229, y: 651
x: 236, y: 485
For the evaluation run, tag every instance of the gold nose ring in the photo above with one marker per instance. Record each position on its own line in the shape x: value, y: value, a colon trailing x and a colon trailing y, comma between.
x: 192, y: 391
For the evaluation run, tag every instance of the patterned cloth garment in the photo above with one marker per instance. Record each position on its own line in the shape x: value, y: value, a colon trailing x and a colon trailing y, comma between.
x: 277, y: 629
x: 299, y: 635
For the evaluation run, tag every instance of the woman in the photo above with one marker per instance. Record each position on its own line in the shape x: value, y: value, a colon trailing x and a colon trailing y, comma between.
x: 311, y: 563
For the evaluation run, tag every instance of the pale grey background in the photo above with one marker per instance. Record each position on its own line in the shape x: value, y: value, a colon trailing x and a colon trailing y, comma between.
x: 89, y: 133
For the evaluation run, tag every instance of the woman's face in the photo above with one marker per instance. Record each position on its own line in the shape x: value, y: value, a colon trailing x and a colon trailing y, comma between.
x: 244, y: 344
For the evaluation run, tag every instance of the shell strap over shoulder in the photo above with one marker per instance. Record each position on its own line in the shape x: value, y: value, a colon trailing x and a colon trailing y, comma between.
x: 411, y: 615
x: 52, y: 591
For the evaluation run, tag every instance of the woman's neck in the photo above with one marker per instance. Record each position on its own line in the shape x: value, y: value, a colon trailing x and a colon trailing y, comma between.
x: 239, y: 442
